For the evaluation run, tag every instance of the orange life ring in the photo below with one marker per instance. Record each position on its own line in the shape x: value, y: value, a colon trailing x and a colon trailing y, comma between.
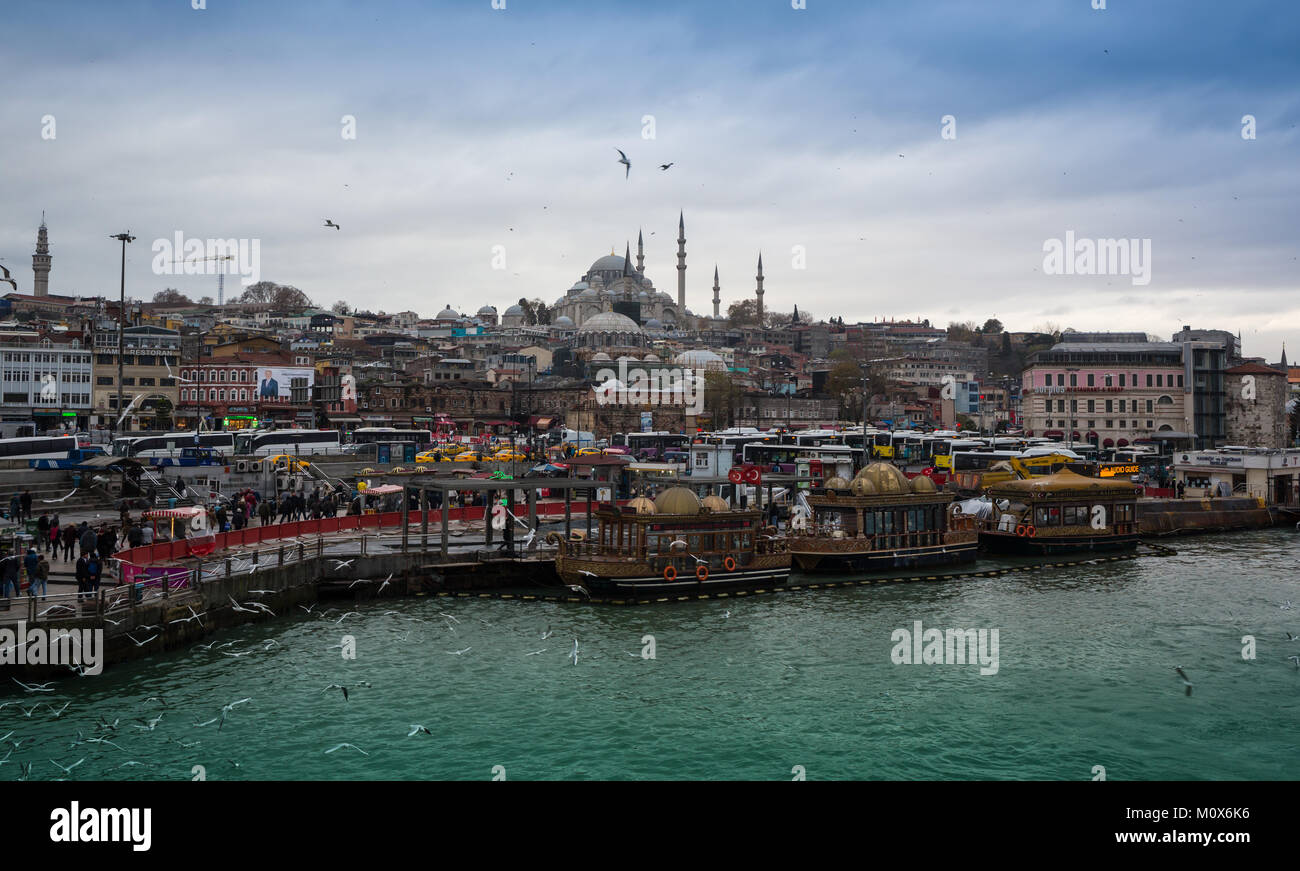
x: 1031, y: 532
x: 1020, y: 530
x: 670, y: 574
x: 702, y: 572
x: 729, y: 563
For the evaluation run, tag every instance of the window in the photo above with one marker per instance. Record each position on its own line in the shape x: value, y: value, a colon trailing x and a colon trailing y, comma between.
x: 1074, y: 380
x: 1060, y: 379
x: 146, y: 382
x: 1090, y: 380
x: 1160, y: 380
x: 1074, y: 406
x: 1149, y: 379
x: 1121, y: 379
x: 1109, y: 379
x: 1060, y: 405
x: 1110, y: 424
x: 1151, y: 406
x: 1092, y: 405
x: 1109, y: 403
x: 1149, y: 423
x: 1180, y: 381
x: 103, y: 381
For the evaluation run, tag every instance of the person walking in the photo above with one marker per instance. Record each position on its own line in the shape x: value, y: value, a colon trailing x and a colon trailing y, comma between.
x: 82, y: 572
x: 1181, y: 487
x: 9, y: 568
x: 89, y: 541
x: 29, y: 566
x: 26, y: 502
x: 40, y: 578
x: 106, y: 542
x: 42, y: 530
x: 15, y: 508
x: 70, y: 535
x: 264, y: 510
x: 94, y: 569
x: 56, y: 526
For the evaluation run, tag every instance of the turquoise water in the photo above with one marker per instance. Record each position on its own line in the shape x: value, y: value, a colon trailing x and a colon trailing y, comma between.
x: 1085, y: 678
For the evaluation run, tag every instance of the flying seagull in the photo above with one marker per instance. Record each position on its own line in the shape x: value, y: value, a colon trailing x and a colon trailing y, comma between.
x: 548, y: 633
x: 416, y: 729
x: 460, y: 652
x: 573, y: 654
x: 353, y: 746
x: 1187, y: 683
x: 1295, y: 659
x: 665, y: 166
x: 329, y: 223
x: 343, y: 564
x: 335, y: 686
x: 61, y: 498
x: 622, y: 158
x: 33, y: 688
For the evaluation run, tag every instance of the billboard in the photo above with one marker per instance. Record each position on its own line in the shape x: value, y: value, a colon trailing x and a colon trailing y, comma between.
x: 276, y: 382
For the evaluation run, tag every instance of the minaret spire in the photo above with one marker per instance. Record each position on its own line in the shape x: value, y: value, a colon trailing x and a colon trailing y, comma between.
x: 717, y: 293
x: 41, y: 262
x: 758, y: 291
x: 681, y: 265
x: 627, y: 260
x: 640, y: 253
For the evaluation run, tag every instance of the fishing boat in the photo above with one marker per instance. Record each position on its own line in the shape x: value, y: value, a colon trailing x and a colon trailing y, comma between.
x: 675, y: 544
x: 881, y: 520
x: 1061, y: 513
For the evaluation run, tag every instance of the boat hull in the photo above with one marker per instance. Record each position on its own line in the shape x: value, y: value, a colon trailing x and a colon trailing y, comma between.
x: 884, y: 560
x: 1045, y: 545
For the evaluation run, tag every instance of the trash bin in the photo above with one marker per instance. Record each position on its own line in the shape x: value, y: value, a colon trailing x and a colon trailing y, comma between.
x: 171, y: 503
x: 76, y: 479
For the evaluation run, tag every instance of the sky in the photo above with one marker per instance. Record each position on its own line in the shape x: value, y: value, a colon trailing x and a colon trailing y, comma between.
x: 484, y: 166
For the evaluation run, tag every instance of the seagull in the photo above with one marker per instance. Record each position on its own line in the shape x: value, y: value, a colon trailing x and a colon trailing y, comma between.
x: 460, y: 652
x: 353, y: 746
x: 158, y: 699
x: 1187, y: 683
x: 68, y: 770
x: 622, y: 158
x: 329, y: 223
x: 417, y: 729
x: 535, y: 652
x: 149, y: 725
x: 573, y: 654
x: 27, y: 713
x: 577, y: 589
x: 548, y: 633
x: 335, y: 686
x: 1286, y: 606
x: 308, y: 610
x: 343, y: 564
x: 61, y: 499
x: 33, y: 688
x: 588, y: 574
x: 115, y: 622
x: 173, y: 375
x: 60, y: 710
x: 1290, y: 637
x: 665, y: 166
x: 1295, y: 659
x: 143, y: 643
x: 448, y: 616
x: 235, y: 605
x: 107, y: 726
x: 384, y: 584
x: 102, y: 741
x: 346, y: 616
x: 359, y: 581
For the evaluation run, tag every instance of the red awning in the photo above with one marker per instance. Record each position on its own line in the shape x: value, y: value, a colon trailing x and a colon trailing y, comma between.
x: 1053, y: 434
x: 1108, y: 443
x: 1123, y: 443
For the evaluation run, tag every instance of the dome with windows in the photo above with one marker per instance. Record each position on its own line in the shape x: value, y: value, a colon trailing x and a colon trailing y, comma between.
x: 609, y: 322
x: 885, y: 479
x: 563, y: 322
x: 488, y: 310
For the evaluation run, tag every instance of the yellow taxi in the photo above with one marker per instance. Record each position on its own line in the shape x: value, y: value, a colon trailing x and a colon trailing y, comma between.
x: 589, y: 452
x: 509, y: 457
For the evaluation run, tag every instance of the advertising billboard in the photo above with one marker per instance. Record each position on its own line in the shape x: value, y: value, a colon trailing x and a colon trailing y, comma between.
x: 277, y: 382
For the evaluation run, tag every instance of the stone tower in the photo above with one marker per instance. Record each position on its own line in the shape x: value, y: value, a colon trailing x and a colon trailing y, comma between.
x: 759, y: 291
x: 717, y: 292
x: 681, y: 265
x: 41, y: 262
x: 640, y: 254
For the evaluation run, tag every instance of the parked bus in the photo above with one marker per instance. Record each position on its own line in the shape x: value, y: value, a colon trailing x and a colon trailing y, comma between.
x: 370, y: 435
x: 943, y: 448
x: 297, y: 442
x: 652, y: 445
x: 38, y: 448
x: 783, y: 459
x: 171, y: 444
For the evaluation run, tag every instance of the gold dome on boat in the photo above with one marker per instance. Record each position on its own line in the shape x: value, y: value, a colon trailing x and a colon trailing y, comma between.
x: 677, y: 500
x: 923, y: 484
x: 715, y: 504
x: 642, y: 505
x: 862, y: 487
x: 886, y: 479
x: 836, y: 483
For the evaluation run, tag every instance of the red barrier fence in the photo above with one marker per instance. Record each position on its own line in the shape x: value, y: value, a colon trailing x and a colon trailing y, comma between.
x: 173, y: 550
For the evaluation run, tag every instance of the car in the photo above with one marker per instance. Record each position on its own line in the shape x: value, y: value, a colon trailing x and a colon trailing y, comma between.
x: 509, y: 457
x: 589, y: 452
x: 434, y: 456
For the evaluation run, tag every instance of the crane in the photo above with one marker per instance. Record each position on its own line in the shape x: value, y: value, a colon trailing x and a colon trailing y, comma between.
x: 221, y: 273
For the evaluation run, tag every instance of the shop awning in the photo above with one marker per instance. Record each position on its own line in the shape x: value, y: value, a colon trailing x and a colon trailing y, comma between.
x: 381, y: 490
x: 187, y: 511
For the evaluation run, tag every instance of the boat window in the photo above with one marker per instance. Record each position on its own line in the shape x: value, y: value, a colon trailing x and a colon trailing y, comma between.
x: 869, y: 522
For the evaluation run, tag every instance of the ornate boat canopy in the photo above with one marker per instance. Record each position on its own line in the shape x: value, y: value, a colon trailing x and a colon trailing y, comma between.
x: 1064, y: 483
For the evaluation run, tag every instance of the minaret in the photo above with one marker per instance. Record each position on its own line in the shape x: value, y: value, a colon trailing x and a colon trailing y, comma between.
x: 759, y: 291
x: 640, y: 254
x: 41, y: 262
x: 627, y: 260
x: 681, y: 264
x: 717, y: 292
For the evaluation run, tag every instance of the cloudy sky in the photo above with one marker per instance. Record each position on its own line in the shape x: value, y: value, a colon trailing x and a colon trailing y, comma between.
x: 814, y: 135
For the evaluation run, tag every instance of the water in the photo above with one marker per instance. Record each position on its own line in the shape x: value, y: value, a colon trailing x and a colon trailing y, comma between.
x: 1085, y: 678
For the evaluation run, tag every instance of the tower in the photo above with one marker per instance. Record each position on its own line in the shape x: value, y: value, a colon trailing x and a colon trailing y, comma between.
x: 681, y: 264
x: 640, y: 253
x: 759, y: 291
x: 41, y: 262
x: 717, y: 293
x: 627, y: 260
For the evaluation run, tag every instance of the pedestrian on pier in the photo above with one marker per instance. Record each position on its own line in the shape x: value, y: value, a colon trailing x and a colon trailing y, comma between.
x: 40, y: 578
x: 29, y: 565
x: 1181, y: 487
x: 15, y: 508
x: 94, y: 569
x: 264, y: 511
x: 82, y: 572
x: 9, y: 568
x: 42, y: 530
x: 70, y: 535
x: 56, y: 526
x: 26, y: 502
x: 89, y: 541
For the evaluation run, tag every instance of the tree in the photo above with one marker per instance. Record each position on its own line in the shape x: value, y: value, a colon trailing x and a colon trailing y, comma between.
x: 784, y: 319
x: 281, y: 296
x: 743, y: 313
x: 172, y: 296
x: 205, y: 300
x: 341, y: 308
x: 992, y: 325
x: 962, y: 332
x: 721, y: 399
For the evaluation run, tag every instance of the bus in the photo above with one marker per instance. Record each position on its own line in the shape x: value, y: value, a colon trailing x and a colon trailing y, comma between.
x: 288, y: 441
x: 783, y: 459
x: 171, y: 444
x: 371, y: 435
x: 943, y: 448
x: 652, y: 445
x: 38, y: 448
x: 979, y: 461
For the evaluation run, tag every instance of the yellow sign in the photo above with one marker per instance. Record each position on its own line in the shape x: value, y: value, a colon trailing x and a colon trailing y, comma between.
x: 1112, y: 471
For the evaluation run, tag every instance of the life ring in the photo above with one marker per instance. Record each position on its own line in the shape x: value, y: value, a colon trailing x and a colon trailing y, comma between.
x: 1020, y: 530
x: 702, y: 572
x: 670, y: 574
x: 729, y: 563
x: 1031, y: 532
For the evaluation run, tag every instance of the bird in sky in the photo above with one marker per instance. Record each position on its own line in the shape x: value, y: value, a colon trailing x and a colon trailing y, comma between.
x: 329, y: 223
x: 665, y: 166
x: 1187, y: 683
x: 622, y: 158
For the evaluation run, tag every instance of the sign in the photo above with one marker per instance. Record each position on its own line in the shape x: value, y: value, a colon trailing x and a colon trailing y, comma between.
x: 276, y: 382
x: 1119, y: 470
x: 647, y: 421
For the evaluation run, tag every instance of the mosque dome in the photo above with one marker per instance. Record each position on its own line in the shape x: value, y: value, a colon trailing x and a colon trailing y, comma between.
x: 702, y: 360
x: 601, y: 357
x: 642, y: 505
x: 488, y: 310
x: 610, y: 262
x: 654, y: 324
x: 515, y: 310
x: 862, y: 487
x: 651, y: 358
x: 714, y: 504
x: 677, y: 500
x: 923, y: 484
x: 448, y: 314
x: 589, y: 295
x: 886, y: 479
x: 563, y: 322
x: 609, y: 322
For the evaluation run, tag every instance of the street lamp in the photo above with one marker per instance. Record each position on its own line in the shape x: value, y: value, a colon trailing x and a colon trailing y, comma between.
x: 121, y: 324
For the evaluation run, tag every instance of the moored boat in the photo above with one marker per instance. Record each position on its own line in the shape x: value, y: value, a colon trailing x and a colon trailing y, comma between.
x: 1061, y: 513
x: 675, y: 545
x: 881, y: 521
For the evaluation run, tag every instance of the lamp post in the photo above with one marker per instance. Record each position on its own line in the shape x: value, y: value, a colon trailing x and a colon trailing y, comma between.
x: 121, y: 324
